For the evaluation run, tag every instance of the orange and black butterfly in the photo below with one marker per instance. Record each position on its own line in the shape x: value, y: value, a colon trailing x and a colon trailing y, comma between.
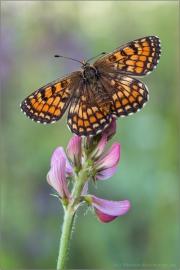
x: 99, y: 92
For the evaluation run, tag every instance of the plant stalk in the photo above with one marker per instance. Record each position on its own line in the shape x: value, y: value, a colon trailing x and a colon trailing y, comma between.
x: 69, y: 215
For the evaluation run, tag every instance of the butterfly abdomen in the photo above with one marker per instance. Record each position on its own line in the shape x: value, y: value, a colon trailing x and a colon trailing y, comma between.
x: 102, y: 97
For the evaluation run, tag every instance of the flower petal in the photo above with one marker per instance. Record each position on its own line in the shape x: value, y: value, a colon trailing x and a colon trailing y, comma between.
x: 105, y: 174
x: 57, y: 177
x: 110, y: 159
x: 104, y: 218
x: 74, y: 150
x: 58, y: 153
x: 106, y: 210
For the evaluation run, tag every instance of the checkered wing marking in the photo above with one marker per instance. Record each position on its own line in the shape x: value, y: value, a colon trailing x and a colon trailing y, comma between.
x: 128, y: 95
x: 49, y: 103
x: 136, y: 58
x: 86, y: 117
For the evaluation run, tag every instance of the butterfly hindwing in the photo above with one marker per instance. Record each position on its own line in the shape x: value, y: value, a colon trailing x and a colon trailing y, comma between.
x: 86, y: 117
x: 128, y: 95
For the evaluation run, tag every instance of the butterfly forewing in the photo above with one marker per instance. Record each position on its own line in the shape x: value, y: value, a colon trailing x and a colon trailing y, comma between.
x: 136, y: 58
x: 49, y: 103
x: 99, y: 92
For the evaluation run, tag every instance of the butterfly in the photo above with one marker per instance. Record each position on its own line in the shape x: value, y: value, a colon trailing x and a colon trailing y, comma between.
x: 99, y: 92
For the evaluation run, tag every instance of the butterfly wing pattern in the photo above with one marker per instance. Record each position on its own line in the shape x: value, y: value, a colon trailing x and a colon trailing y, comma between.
x: 100, y: 91
x: 136, y: 58
x: 85, y: 114
x: 49, y: 103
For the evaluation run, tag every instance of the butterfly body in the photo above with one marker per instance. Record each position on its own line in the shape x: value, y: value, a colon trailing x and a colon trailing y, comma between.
x: 98, y: 92
x: 91, y: 76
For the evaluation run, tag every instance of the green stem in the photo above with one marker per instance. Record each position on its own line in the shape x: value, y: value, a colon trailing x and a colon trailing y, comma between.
x: 69, y: 216
x: 65, y: 237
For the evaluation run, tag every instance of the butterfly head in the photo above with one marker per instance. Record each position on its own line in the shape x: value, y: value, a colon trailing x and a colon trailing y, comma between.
x: 88, y: 71
x: 85, y: 64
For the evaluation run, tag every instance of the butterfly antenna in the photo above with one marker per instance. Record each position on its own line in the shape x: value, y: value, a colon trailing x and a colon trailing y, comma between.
x: 68, y: 58
x: 96, y: 56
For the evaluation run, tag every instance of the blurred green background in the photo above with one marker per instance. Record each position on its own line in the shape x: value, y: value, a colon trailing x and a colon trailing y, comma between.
x: 147, y: 175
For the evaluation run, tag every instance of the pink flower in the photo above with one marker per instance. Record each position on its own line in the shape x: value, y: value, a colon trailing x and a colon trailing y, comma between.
x: 110, y: 159
x: 57, y: 178
x: 59, y: 153
x: 93, y: 142
x: 105, y: 174
x: 74, y: 150
x: 98, y: 167
x: 106, y: 210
